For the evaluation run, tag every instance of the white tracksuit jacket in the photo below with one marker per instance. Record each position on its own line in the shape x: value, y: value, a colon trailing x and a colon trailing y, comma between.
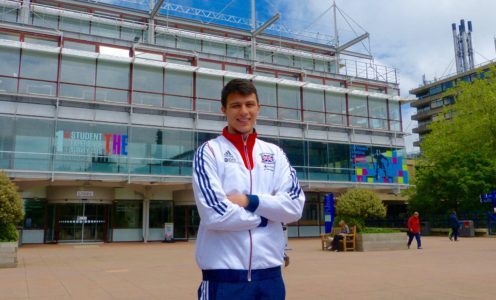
x: 232, y: 237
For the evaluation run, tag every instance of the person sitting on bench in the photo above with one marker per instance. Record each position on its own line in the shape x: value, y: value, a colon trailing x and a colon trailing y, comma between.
x: 344, y: 231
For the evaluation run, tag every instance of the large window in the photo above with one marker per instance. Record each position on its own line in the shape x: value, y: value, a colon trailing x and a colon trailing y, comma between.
x: 160, y: 213
x: 378, y: 113
x: 357, y: 108
x: 77, y: 77
x: 395, y: 115
x: 178, y: 89
x: 214, y: 48
x: 9, y: 67
x: 69, y: 24
x: 208, y: 89
x: 34, y: 214
x: 166, y: 40
x: 313, y: 103
x: 336, y: 108
x: 189, y: 44
x: 267, y: 96
x: 107, y: 30
x: 317, y: 161
x: 33, y: 144
x: 148, y: 85
x: 296, y: 153
x: 283, y: 59
x: 128, y: 214
x: 7, y: 126
x: 156, y: 151
x: 114, y: 76
x: 339, y: 161
x: 236, y: 51
x: 44, y: 20
x: 310, y: 214
x: 42, y: 68
x: 288, y: 103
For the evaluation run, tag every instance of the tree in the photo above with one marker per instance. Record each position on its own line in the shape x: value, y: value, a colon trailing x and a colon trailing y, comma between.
x: 458, y: 160
x: 11, y: 212
x: 356, y: 205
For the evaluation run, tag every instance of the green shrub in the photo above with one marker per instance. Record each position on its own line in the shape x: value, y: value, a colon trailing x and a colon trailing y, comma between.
x: 379, y: 230
x: 11, y: 212
x: 356, y: 205
x: 8, y: 233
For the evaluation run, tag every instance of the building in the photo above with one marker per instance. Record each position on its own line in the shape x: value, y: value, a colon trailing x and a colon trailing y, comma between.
x: 100, y: 116
x: 431, y: 95
x: 431, y: 98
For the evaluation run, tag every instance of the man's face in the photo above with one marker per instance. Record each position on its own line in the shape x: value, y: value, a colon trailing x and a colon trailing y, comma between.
x: 241, y: 113
x: 416, y: 215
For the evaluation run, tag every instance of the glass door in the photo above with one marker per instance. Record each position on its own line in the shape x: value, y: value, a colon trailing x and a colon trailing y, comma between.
x: 81, y: 222
x: 186, y: 222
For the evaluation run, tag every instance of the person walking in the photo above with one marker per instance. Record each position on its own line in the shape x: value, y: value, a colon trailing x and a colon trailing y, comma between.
x: 454, y: 225
x: 414, y: 230
x: 245, y: 189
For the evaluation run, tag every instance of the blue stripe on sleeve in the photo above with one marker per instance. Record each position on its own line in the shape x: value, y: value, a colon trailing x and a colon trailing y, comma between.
x: 202, y: 180
x: 215, y: 201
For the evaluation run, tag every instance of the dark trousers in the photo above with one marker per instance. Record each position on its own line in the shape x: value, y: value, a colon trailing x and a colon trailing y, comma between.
x: 455, y: 233
x: 265, y: 284
x: 411, y: 235
x: 335, y: 241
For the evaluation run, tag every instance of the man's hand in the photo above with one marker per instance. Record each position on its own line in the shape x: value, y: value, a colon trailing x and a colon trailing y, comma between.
x: 239, y: 199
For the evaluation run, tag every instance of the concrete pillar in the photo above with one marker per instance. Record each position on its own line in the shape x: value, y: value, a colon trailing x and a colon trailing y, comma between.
x: 151, y: 25
x: 146, y: 219
x: 151, y: 31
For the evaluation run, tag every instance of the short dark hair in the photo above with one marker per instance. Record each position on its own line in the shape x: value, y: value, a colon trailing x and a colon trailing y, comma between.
x: 241, y: 86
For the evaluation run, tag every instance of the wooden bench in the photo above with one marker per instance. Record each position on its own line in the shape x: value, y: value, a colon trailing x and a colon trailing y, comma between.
x: 349, y: 240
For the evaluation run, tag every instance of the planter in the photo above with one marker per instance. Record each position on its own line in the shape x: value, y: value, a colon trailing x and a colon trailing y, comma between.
x: 8, y: 254
x: 381, y: 241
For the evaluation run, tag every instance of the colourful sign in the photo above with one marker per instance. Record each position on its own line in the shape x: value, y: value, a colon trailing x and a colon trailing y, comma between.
x: 375, y: 166
x: 91, y: 143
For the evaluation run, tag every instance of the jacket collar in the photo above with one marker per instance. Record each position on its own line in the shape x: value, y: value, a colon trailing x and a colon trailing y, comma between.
x: 237, y: 140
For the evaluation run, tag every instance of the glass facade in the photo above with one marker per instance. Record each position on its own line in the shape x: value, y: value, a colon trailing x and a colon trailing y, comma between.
x: 46, y: 145
x: 84, y: 77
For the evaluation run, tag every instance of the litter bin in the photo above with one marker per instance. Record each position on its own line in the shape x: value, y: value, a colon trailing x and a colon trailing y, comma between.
x: 19, y: 231
x: 467, y: 228
x: 425, y: 228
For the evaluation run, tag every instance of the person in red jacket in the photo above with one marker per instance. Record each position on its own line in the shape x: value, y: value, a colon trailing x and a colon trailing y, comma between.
x: 414, y: 230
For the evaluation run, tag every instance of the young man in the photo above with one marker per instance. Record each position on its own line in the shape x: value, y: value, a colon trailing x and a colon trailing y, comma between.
x: 245, y: 189
x: 414, y: 230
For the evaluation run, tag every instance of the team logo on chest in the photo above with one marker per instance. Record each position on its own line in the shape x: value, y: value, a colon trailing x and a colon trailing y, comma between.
x: 268, y: 161
x: 229, y: 157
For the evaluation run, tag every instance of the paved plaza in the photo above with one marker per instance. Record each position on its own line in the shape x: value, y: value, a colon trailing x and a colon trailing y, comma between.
x: 442, y: 270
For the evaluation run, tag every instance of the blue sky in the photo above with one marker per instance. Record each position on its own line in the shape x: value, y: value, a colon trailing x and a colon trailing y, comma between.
x: 413, y: 36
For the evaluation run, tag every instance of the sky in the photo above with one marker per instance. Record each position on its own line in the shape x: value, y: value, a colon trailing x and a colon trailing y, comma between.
x: 413, y: 36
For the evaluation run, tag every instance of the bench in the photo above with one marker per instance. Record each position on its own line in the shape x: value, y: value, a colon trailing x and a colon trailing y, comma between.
x: 349, y: 240
x: 347, y: 243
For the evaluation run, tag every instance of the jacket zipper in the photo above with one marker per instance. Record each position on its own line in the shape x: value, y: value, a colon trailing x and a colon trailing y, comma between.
x: 249, y: 231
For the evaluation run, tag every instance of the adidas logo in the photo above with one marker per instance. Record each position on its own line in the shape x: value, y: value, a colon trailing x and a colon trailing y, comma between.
x: 229, y: 157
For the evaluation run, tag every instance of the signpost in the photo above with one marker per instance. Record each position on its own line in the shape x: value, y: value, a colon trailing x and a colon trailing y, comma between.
x: 328, y: 212
x: 491, y: 217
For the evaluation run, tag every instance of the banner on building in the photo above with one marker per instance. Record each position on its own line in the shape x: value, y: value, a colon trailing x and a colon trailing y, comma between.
x: 328, y: 212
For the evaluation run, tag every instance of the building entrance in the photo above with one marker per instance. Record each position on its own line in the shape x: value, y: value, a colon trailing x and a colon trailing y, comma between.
x: 81, y: 222
x: 186, y: 222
